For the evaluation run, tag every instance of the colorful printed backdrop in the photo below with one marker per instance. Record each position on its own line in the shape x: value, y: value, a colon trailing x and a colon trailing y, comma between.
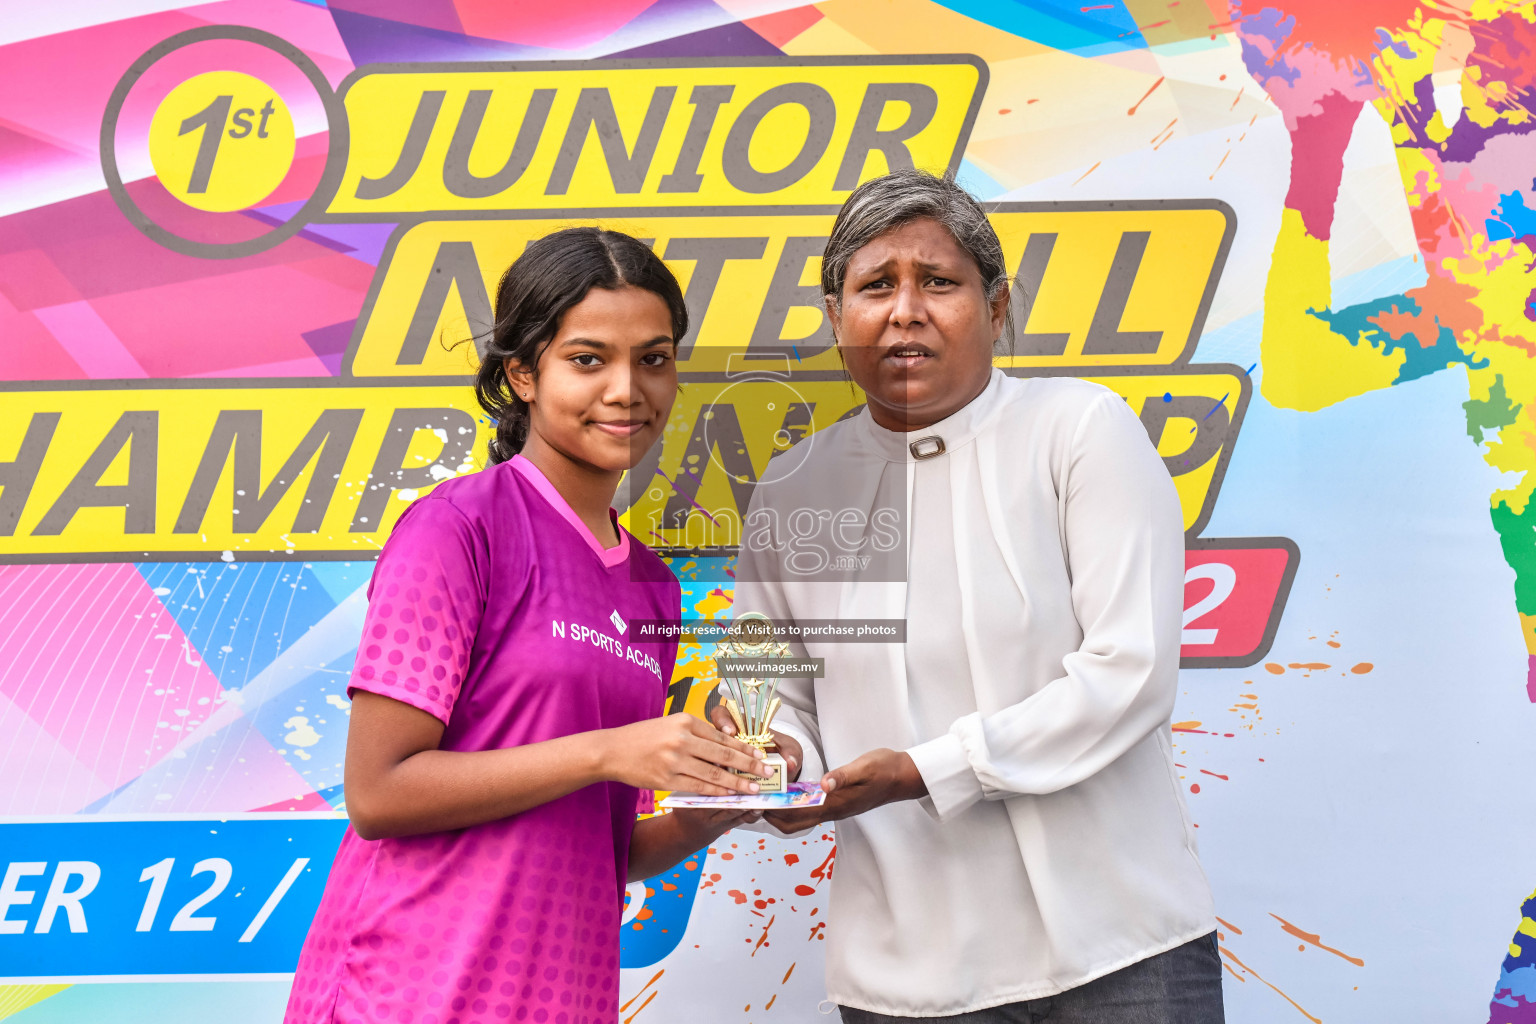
x: 239, y: 240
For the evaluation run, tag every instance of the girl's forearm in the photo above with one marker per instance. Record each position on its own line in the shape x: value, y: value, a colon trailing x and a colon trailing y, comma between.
x: 660, y: 842
x: 444, y: 790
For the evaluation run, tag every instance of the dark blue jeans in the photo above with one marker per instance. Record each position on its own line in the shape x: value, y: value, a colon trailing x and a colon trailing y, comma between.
x: 1181, y: 986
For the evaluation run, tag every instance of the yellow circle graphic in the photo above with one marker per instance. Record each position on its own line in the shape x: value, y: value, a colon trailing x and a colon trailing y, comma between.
x: 221, y: 141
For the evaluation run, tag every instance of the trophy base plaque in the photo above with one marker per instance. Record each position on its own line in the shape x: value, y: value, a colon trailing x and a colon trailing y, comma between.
x: 777, y: 777
x: 751, y: 702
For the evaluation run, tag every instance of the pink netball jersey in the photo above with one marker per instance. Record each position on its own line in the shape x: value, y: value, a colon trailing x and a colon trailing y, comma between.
x: 494, y: 609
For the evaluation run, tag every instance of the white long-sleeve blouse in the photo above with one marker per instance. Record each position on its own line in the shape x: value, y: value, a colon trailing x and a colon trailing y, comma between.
x: 1042, y: 591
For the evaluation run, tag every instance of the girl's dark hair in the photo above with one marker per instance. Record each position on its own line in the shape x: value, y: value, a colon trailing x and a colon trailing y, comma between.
x: 553, y: 274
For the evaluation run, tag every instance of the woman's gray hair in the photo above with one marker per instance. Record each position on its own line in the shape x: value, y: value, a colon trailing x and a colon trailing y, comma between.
x: 886, y: 203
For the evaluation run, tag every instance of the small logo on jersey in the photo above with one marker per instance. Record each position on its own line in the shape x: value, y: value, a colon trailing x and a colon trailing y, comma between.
x: 618, y: 622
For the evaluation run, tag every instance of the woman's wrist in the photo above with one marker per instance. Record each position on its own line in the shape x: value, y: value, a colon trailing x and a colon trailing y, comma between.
x: 910, y: 784
x: 670, y: 836
x: 693, y: 830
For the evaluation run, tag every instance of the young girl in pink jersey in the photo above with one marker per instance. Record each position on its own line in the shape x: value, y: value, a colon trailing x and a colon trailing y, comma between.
x: 502, y: 721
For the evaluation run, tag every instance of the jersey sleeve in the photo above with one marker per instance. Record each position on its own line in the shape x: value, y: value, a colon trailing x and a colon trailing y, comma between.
x: 424, y: 607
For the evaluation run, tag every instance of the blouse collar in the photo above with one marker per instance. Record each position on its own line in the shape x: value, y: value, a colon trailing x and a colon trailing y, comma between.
x: 955, y: 430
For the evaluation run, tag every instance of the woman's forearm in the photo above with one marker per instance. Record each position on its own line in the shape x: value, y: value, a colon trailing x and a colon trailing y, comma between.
x: 444, y: 790
x: 658, y: 843
x: 662, y: 841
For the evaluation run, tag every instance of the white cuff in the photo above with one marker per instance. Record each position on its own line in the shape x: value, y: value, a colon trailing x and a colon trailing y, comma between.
x: 947, y: 772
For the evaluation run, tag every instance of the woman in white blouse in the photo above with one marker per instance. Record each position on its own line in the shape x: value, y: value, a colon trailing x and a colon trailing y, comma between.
x: 1013, y: 843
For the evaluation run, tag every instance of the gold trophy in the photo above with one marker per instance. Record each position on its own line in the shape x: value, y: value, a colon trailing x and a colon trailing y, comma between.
x: 751, y: 700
